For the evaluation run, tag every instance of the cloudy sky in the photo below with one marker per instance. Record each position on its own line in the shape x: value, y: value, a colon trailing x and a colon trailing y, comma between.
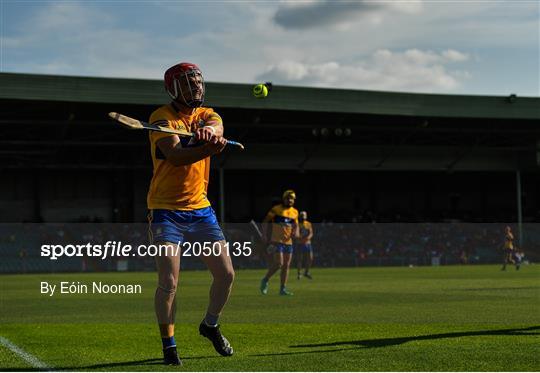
x: 461, y: 47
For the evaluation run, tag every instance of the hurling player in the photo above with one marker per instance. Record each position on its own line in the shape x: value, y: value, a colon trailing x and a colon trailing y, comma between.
x: 508, y: 247
x: 179, y: 208
x: 303, y: 249
x: 282, y: 220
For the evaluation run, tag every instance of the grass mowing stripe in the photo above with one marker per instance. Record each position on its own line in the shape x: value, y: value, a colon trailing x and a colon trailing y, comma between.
x: 29, y: 358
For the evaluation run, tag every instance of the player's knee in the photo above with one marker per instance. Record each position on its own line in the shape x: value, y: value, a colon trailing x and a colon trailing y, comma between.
x: 228, y: 276
x: 168, y: 284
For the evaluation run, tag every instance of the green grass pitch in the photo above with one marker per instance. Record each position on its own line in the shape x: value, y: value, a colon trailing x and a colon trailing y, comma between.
x: 454, y: 318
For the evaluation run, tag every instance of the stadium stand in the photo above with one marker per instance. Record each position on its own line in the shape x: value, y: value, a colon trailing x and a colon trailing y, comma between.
x: 356, y: 159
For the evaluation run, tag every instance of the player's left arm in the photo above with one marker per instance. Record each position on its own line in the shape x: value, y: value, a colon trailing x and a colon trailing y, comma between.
x: 213, y: 126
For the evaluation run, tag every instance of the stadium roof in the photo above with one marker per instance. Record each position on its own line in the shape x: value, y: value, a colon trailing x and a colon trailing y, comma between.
x: 228, y: 95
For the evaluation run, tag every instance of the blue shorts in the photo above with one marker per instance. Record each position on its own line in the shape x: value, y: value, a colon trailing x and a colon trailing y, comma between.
x: 304, y: 247
x: 175, y: 226
x: 282, y: 248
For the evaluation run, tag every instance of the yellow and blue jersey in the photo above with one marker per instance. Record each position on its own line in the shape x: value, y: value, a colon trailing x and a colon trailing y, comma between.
x: 284, y: 223
x: 306, y: 229
x: 179, y: 187
x: 509, y: 241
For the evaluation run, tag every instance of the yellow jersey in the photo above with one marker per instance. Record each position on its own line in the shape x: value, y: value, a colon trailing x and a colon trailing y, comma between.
x: 284, y: 222
x: 509, y: 241
x: 305, y: 229
x: 179, y: 187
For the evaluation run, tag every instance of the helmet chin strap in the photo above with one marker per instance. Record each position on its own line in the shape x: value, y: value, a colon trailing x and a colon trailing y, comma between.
x: 181, y: 101
x: 194, y: 103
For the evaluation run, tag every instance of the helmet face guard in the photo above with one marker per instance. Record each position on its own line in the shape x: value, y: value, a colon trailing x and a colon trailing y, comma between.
x: 179, y: 84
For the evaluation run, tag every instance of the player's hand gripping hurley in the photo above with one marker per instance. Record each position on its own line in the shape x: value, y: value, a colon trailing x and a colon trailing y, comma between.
x: 136, y: 124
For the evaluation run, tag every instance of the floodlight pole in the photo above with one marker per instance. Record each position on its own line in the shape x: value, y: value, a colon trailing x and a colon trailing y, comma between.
x: 519, y: 211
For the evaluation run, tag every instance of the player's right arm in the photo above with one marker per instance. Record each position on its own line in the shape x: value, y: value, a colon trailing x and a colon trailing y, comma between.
x: 310, y: 229
x: 266, y: 225
x: 173, y: 151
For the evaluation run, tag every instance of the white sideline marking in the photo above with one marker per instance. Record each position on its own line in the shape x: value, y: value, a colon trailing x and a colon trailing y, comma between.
x: 29, y: 358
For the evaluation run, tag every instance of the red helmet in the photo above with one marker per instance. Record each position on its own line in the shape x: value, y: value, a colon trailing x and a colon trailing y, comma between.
x: 184, y: 93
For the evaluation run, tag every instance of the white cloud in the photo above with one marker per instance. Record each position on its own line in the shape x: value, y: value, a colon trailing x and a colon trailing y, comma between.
x: 411, y: 70
x: 453, y: 55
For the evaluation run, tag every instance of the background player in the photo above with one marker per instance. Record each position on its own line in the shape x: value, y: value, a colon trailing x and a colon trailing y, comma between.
x: 179, y: 208
x: 303, y: 248
x: 282, y: 223
x: 508, y: 247
x: 518, y: 257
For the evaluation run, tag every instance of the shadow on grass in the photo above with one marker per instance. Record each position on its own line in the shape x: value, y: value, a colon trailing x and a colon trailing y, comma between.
x: 508, y: 288
x: 140, y: 363
x: 385, y: 342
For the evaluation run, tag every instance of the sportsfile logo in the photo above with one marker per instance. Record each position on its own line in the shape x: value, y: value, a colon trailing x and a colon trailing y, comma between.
x: 117, y: 249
